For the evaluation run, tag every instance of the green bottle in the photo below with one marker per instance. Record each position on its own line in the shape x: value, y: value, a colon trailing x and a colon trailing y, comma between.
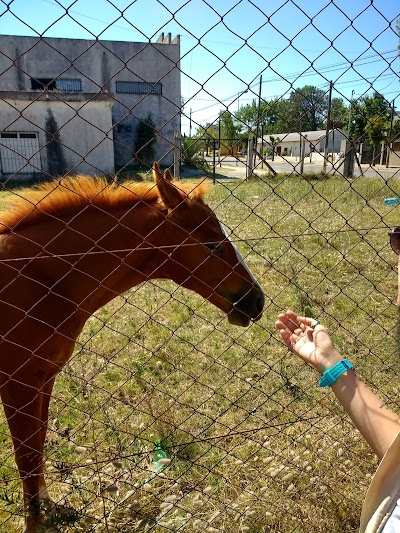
x: 160, y: 458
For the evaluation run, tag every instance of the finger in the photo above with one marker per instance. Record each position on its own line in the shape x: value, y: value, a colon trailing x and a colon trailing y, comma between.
x: 292, y: 318
x: 286, y: 337
x: 287, y: 321
x: 299, y: 322
x: 309, y: 322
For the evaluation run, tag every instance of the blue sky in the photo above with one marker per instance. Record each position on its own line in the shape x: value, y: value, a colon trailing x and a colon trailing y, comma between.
x: 226, y: 45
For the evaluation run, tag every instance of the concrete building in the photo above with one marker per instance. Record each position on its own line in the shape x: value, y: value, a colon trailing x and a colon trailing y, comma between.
x: 289, y: 144
x: 74, y: 105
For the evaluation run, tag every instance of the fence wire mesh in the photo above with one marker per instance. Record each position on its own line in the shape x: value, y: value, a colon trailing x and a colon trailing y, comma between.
x: 288, y: 110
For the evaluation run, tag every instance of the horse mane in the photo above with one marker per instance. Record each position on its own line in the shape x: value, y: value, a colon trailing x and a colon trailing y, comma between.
x: 68, y: 196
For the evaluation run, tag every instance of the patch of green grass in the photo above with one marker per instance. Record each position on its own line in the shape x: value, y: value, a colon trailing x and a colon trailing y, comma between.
x: 252, y: 439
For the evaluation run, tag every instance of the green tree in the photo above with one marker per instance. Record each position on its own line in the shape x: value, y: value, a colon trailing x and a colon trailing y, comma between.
x: 229, y: 131
x: 339, y: 115
x: 274, y: 141
x: 362, y: 110
x: 276, y: 115
x: 246, y: 117
x: 193, y: 149
x: 271, y: 117
x: 376, y: 129
x: 228, y: 128
x: 146, y: 139
x: 308, y: 108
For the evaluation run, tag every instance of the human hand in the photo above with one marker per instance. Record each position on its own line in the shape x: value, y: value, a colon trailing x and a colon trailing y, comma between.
x: 309, y: 339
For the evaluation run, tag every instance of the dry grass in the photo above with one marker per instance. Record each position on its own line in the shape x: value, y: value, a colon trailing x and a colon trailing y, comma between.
x: 254, y: 444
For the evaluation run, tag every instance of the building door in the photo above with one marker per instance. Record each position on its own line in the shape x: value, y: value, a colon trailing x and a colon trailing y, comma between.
x: 20, y: 153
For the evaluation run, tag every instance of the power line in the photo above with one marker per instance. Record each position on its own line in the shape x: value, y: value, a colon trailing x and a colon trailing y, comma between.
x: 302, y: 74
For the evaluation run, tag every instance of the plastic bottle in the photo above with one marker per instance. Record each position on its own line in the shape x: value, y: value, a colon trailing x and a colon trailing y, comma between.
x: 160, y: 458
x: 392, y: 201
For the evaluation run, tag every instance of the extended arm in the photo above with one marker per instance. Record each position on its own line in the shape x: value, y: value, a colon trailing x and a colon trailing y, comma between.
x: 376, y: 423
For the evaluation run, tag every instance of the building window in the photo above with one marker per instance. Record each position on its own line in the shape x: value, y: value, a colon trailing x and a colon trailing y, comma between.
x: 61, y: 84
x: 69, y: 84
x: 41, y: 84
x: 138, y: 87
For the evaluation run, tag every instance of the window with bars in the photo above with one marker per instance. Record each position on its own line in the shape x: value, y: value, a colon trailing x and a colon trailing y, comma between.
x: 61, y: 84
x: 69, y: 84
x: 138, y: 87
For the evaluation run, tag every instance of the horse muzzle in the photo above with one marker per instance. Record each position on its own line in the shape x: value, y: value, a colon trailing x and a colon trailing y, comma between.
x: 247, y: 308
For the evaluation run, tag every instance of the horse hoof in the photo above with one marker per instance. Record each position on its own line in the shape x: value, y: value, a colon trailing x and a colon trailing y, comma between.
x: 57, y: 516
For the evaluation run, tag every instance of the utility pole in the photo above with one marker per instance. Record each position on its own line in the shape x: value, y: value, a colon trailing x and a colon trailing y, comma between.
x: 390, y: 135
x: 328, y: 119
x: 302, y: 153
x: 219, y: 141
x: 190, y: 123
x: 258, y: 118
x: 350, y: 110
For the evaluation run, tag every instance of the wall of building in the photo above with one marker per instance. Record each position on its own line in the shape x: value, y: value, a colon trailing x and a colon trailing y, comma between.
x: 292, y: 147
x: 394, y: 154
x: 99, y: 65
x: 74, y: 136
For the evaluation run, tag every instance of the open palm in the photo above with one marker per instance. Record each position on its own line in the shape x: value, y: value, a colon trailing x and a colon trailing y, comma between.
x: 308, y: 339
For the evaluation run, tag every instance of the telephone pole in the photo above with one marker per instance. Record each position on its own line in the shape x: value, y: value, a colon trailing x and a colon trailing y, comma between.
x: 328, y: 120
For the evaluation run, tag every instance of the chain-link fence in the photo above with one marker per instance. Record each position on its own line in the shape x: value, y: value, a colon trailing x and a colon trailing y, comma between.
x: 166, y: 417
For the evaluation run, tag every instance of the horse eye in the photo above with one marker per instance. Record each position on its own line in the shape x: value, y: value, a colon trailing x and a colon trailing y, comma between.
x: 216, y: 248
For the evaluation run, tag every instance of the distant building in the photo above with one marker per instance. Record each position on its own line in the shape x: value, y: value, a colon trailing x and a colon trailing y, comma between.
x: 394, y: 154
x: 74, y: 105
x: 288, y: 144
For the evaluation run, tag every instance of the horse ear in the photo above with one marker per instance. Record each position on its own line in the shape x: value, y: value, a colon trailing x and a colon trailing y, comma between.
x: 167, y: 175
x: 169, y: 194
x: 156, y: 172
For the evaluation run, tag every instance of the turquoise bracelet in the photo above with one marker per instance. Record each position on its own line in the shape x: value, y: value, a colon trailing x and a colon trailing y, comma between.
x: 332, y: 374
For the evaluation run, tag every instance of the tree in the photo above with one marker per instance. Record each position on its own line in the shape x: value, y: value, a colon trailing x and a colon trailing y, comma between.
x: 228, y: 128
x: 362, y: 110
x: 276, y: 117
x: 308, y: 108
x: 272, y: 116
x: 274, y: 141
x: 193, y: 149
x: 146, y: 139
x: 246, y: 117
x: 376, y: 129
x: 229, y: 131
x: 339, y: 115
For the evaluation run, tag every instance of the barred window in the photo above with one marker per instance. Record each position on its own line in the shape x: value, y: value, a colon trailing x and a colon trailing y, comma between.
x: 69, y: 84
x: 138, y: 87
x: 61, y: 84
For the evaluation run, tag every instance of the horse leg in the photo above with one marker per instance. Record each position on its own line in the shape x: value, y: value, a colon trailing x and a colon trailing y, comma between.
x: 44, y: 416
x: 23, y: 405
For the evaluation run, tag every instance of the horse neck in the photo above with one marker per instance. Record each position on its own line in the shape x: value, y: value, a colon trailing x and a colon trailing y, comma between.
x: 93, y: 256
x: 128, y: 251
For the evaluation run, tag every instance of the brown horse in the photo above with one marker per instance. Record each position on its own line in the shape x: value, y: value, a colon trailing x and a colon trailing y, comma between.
x: 69, y: 247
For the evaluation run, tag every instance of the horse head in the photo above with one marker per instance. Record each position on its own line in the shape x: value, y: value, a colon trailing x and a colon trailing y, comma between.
x: 202, y: 257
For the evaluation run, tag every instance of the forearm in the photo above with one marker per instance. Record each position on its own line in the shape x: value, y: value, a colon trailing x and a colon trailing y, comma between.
x: 376, y: 423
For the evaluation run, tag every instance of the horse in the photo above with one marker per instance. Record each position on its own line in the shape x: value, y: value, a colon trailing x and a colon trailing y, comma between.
x: 67, y: 248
